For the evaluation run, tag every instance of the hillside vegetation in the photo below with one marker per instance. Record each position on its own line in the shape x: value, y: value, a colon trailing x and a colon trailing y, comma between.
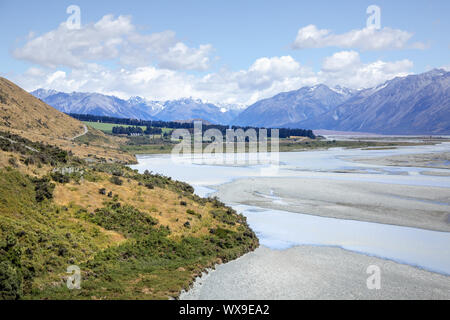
x: 139, y: 236
x: 23, y: 114
x: 72, y: 202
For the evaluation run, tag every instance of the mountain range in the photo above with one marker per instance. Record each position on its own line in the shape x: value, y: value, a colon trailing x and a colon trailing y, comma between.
x: 136, y: 107
x: 287, y: 108
x: 415, y: 104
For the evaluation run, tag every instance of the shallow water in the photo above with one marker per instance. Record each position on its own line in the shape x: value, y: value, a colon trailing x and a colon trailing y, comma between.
x: 308, y: 164
x: 281, y: 229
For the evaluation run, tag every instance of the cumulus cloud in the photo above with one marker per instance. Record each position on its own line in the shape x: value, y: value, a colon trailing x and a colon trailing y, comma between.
x: 345, y: 68
x: 264, y: 78
x: 364, y: 39
x: 265, y: 71
x: 112, y: 39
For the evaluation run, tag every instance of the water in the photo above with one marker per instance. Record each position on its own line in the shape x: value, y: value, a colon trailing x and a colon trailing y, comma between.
x: 281, y: 229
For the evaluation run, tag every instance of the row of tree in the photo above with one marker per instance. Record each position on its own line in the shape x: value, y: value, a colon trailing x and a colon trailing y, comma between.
x: 154, y: 126
x: 135, y: 130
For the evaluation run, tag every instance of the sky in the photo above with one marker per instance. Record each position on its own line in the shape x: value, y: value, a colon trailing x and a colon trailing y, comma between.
x: 226, y: 52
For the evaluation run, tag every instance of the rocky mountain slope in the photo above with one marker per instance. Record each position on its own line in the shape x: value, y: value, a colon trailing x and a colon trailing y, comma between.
x: 136, y: 107
x: 416, y: 104
x: 291, y: 107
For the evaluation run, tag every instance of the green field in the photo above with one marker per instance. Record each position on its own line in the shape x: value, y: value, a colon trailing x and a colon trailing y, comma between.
x: 107, y: 127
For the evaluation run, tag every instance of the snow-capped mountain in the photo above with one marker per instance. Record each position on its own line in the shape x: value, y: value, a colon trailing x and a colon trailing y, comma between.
x: 292, y: 107
x: 95, y: 103
x: 189, y: 108
x: 136, y: 107
x: 416, y: 104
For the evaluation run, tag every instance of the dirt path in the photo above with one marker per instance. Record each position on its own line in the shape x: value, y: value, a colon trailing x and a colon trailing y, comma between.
x: 81, y: 134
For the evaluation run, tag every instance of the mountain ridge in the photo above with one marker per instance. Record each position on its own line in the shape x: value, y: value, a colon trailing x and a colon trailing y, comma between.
x: 415, y: 104
x: 136, y: 107
x: 291, y: 107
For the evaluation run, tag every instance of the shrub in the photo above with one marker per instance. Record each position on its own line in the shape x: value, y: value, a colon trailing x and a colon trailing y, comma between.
x: 102, y: 191
x: 59, y: 177
x: 124, y: 219
x: 44, y: 189
x: 192, y: 212
x: 13, y: 162
x: 116, y: 180
x: 10, y: 282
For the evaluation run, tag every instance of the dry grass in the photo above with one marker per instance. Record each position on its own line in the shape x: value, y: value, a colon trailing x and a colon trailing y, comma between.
x: 31, y: 170
x: 23, y: 114
x: 162, y: 204
x: 20, y: 110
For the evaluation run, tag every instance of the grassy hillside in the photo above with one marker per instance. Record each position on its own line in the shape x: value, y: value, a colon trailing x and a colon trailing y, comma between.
x: 66, y: 198
x: 134, y: 236
x: 25, y: 115
x: 21, y: 111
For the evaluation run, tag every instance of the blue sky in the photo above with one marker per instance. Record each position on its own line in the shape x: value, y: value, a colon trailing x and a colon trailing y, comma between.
x: 227, y: 51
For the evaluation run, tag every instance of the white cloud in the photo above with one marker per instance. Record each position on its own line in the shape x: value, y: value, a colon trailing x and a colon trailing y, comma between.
x: 364, y: 39
x: 446, y: 67
x: 111, y: 39
x: 341, y: 61
x: 346, y: 69
x: 264, y: 72
x: 266, y: 77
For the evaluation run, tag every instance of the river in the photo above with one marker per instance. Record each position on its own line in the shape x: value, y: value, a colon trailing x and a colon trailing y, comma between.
x: 283, y: 229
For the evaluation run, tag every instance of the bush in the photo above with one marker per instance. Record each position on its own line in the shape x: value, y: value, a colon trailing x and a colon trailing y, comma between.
x: 124, y: 219
x: 13, y: 162
x: 59, y: 177
x: 44, y: 189
x: 102, y: 191
x: 10, y: 282
x: 116, y: 180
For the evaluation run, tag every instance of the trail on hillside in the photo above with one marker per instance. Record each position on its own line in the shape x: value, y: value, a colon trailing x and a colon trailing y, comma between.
x: 81, y: 134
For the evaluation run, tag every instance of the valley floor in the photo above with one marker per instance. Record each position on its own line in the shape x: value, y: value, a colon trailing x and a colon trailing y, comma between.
x: 341, y: 215
x: 311, y: 272
x: 403, y: 205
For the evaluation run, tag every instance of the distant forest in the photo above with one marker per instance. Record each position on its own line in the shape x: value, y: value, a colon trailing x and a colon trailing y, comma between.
x: 154, y: 125
x: 135, y: 130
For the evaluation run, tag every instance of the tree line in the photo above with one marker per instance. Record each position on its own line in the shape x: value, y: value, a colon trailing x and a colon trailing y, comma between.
x: 135, y: 130
x: 154, y: 126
